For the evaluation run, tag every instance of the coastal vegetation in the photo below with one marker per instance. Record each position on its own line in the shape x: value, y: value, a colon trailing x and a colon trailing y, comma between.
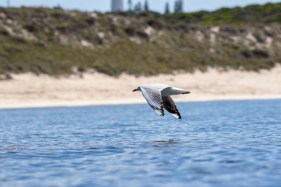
x: 61, y: 42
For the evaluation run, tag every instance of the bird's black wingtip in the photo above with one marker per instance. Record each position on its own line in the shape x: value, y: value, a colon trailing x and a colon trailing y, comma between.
x: 179, y: 115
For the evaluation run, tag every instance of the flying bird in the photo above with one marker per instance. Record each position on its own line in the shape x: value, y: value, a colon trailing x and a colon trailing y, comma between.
x: 158, y: 96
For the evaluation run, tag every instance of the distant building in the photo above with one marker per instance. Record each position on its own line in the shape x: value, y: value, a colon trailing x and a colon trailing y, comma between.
x: 117, y: 6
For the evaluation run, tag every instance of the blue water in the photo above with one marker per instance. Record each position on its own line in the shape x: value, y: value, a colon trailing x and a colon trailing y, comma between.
x: 230, y: 143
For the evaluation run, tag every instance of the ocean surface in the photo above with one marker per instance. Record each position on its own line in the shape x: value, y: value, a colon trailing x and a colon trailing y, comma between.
x: 223, y: 143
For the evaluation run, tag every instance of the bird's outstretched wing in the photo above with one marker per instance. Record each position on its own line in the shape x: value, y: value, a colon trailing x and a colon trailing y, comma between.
x: 171, y: 107
x: 154, y: 99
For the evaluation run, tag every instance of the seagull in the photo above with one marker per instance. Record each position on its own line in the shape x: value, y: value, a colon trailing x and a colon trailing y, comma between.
x: 158, y: 96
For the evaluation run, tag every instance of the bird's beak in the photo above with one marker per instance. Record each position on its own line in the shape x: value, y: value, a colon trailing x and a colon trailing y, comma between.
x: 134, y: 90
x: 187, y: 92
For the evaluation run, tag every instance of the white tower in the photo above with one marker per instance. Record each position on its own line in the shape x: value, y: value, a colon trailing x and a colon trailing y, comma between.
x: 116, y: 5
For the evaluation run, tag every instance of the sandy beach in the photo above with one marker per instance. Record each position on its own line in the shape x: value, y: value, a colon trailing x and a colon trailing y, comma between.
x: 28, y: 90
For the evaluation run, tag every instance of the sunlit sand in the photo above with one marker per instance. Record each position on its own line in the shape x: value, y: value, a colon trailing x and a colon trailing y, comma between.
x: 28, y: 90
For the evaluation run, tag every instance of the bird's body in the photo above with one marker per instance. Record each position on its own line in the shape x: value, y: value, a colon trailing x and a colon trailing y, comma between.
x: 158, y: 96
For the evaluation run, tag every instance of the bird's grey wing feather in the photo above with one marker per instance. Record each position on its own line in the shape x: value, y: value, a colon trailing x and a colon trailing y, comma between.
x: 154, y: 99
x: 170, y: 106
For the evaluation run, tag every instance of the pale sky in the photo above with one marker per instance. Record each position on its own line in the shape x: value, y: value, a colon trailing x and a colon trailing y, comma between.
x: 156, y: 5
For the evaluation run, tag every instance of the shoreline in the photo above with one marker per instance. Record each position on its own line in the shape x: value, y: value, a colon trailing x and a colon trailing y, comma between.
x: 31, y: 91
x: 58, y: 104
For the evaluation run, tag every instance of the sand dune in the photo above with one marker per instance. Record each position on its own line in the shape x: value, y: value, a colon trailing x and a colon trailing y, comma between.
x: 27, y: 90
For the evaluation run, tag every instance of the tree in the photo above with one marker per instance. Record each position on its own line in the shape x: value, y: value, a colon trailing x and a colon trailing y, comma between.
x: 130, y: 5
x: 180, y: 6
x: 167, y: 8
x: 146, y: 6
x: 176, y: 7
x: 138, y: 7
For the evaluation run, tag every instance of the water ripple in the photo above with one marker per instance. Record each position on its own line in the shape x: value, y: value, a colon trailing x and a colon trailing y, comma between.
x: 231, y: 143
